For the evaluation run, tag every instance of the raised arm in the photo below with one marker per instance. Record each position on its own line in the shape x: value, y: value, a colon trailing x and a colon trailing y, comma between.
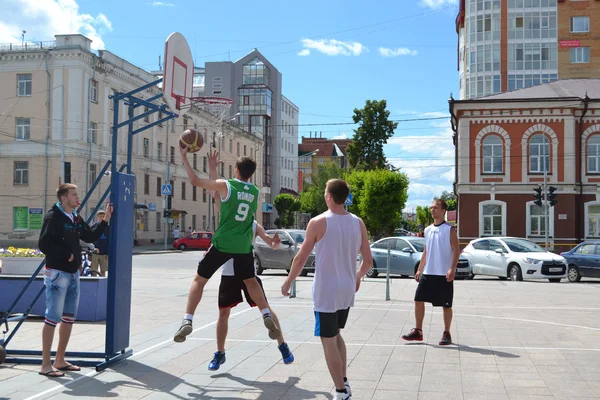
x: 219, y: 185
x: 213, y: 173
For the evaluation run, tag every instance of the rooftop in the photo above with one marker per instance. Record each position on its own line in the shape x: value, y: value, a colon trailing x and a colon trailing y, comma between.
x: 565, y: 88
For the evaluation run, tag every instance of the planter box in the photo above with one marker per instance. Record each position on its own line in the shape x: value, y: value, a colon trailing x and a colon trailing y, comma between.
x: 20, y: 265
x: 92, y: 300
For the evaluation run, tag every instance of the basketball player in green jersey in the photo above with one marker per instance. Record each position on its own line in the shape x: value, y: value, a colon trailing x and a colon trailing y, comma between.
x: 232, y: 240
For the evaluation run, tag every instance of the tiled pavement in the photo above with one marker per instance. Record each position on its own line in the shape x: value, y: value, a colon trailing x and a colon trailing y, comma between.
x: 527, y: 340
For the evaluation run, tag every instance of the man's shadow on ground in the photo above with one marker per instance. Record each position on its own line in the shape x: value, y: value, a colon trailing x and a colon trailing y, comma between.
x: 469, y: 349
x: 153, y: 379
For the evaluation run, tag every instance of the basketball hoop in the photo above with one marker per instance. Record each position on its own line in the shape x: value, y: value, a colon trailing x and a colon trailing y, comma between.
x: 217, y: 107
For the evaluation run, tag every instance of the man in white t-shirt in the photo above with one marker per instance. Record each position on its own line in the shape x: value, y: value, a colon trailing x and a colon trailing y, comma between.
x: 337, y: 237
x: 436, y: 272
x: 176, y: 233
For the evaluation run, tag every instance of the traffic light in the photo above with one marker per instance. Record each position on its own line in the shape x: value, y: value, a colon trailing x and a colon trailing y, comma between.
x: 551, y: 196
x: 169, y: 202
x: 538, y: 196
x: 167, y: 213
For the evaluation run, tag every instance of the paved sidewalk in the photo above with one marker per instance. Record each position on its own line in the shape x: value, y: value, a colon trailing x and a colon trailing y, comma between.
x: 525, y: 340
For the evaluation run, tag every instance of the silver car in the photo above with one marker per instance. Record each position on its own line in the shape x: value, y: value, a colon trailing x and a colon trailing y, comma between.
x: 405, y: 256
x: 291, y: 241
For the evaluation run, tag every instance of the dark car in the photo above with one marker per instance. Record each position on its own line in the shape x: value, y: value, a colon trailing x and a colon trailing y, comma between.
x: 583, y: 261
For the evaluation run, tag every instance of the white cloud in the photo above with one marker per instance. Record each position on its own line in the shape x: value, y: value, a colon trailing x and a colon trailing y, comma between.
x: 437, y: 4
x: 160, y: 4
x: 332, y: 47
x: 43, y: 19
x: 341, y: 136
x: 400, y: 51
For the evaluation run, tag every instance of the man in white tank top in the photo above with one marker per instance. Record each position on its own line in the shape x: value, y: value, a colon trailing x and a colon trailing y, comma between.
x: 337, y: 237
x: 436, y: 272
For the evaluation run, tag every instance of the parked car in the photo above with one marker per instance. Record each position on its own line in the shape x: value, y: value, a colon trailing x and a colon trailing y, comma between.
x: 405, y: 256
x: 197, y: 240
x: 514, y: 258
x: 583, y: 261
x: 291, y: 241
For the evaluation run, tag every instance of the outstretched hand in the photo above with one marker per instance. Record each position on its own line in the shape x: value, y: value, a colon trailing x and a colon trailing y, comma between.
x: 213, y: 159
x: 276, y: 241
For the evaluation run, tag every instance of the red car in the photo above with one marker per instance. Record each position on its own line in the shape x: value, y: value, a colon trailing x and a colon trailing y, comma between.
x: 197, y: 240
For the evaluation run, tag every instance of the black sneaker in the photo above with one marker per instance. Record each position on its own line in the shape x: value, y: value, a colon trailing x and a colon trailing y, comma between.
x: 446, y: 339
x: 416, y: 335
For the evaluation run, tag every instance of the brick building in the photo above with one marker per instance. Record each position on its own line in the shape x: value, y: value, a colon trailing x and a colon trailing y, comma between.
x: 578, y: 39
x: 315, y: 151
x: 504, y: 142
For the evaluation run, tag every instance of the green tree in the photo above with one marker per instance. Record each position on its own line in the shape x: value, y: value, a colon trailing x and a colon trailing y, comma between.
x: 379, y: 197
x: 312, y: 199
x: 285, y: 204
x: 450, y: 199
x: 424, y: 217
x: 365, y: 152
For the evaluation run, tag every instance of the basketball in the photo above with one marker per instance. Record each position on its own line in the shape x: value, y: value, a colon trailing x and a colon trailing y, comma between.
x: 192, y: 139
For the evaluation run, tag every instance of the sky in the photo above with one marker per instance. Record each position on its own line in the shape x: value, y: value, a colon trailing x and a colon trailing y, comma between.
x: 333, y: 55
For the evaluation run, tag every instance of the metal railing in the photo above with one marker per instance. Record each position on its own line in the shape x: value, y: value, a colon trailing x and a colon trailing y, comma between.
x: 28, y: 46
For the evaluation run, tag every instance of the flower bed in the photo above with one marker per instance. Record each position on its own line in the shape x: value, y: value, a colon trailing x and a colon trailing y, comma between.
x: 19, y: 261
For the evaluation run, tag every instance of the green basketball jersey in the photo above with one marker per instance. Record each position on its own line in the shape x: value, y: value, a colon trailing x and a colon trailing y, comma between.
x: 235, y: 234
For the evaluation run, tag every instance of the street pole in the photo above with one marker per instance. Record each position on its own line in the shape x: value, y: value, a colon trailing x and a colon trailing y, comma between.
x: 387, y: 273
x: 546, y: 206
x: 167, y: 172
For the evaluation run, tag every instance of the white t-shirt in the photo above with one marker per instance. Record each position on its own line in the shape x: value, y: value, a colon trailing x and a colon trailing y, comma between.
x: 438, y: 249
x: 228, y: 266
x: 176, y: 234
x: 334, y: 284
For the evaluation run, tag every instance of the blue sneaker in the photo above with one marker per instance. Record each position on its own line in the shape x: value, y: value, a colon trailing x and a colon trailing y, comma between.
x: 287, y: 355
x: 217, y: 360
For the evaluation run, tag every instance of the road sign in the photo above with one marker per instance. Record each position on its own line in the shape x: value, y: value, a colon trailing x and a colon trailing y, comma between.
x: 348, y: 201
x: 167, y: 190
x: 151, y: 206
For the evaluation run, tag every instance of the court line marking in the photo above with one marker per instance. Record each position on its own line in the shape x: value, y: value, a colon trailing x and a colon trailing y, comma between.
x: 93, y: 373
x: 485, y: 347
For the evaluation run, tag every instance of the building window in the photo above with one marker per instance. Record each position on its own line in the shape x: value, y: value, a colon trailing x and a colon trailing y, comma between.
x: 492, y: 154
x: 146, y: 184
x: 204, y: 222
x: 193, y: 222
x: 158, y: 221
x: 92, y: 132
x: 185, y: 123
x: 539, y: 154
x: 536, y: 220
x: 593, y: 154
x: 159, y: 151
x: 172, y: 155
x: 146, y: 147
x: 204, y: 163
x: 182, y: 190
x: 580, y: 24
x: 160, y: 116
x: 146, y: 117
x: 93, y: 174
x: 204, y: 195
x: 146, y: 221
x: 94, y: 91
x: 24, y: 84
x: 20, y: 221
x: 23, y: 128
x: 158, y: 186
x: 592, y: 219
x: 195, y: 161
x: 172, y: 183
x: 21, y: 175
x: 231, y: 145
x: 222, y: 170
x: 194, y: 197
x: 244, y: 150
x: 493, y: 218
x: 230, y: 172
x: 238, y: 148
x: 580, y: 55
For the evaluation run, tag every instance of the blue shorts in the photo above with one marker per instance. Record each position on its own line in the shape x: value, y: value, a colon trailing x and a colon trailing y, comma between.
x: 62, y: 296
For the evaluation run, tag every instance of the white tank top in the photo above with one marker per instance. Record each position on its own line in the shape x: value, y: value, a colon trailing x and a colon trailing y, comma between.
x: 228, y: 266
x: 438, y: 249
x: 334, y: 284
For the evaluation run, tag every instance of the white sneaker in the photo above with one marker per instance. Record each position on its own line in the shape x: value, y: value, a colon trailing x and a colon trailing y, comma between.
x: 348, y: 389
x: 342, y: 396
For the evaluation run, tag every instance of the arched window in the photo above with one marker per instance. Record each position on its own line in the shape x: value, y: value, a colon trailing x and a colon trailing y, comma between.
x: 593, y: 153
x: 492, y: 154
x: 539, y: 153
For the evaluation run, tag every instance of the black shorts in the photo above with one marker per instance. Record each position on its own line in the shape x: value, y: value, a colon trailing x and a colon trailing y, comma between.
x: 243, y: 264
x: 230, y: 292
x: 435, y: 289
x: 328, y: 325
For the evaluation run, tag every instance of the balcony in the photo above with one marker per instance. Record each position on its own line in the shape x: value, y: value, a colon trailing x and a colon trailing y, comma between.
x: 28, y: 46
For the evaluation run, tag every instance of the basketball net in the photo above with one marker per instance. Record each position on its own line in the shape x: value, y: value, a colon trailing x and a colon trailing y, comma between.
x: 217, y: 107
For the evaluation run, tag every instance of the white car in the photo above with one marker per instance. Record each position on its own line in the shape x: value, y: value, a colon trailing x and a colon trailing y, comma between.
x: 514, y: 258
